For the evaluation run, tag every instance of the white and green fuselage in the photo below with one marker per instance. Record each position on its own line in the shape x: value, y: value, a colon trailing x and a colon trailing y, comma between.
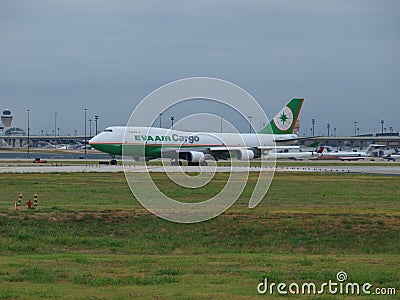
x: 152, y: 142
x: 155, y: 139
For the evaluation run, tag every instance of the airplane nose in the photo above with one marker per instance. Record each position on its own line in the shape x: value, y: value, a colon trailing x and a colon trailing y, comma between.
x: 93, y: 140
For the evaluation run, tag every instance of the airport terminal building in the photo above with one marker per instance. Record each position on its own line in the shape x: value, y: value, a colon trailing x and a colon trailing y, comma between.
x: 391, y: 141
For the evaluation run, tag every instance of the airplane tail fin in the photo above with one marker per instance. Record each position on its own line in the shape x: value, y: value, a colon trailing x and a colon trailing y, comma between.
x: 285, y: 121
x: 314, y: 145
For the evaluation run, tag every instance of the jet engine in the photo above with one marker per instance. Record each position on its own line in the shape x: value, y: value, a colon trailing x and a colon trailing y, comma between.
x: 244, y: 154
x: 196, y: 156
x: 192, y: 156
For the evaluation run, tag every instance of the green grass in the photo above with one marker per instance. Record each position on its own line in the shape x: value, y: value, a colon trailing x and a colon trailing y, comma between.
x: 253, y: 163
x: 91, y: 239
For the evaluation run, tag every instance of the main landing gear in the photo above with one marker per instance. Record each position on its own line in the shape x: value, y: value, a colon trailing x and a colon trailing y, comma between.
x: 203, y: 163
x: 176, y: 162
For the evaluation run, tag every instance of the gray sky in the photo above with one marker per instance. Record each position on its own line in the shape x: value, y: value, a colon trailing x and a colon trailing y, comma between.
x: 62, y: 56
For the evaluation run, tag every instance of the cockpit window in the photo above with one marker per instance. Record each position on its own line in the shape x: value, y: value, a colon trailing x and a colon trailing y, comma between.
x: 108, y: 130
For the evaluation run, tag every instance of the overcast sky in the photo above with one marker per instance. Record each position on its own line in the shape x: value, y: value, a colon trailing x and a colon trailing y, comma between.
x: 63, y: 56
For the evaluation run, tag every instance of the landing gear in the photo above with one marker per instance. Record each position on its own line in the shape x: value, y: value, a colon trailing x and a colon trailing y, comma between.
x: 113, y: 161
x: 176, y: 162
x: 203, y: 163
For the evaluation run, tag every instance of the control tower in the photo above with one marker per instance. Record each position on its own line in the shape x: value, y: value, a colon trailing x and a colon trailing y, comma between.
x: 6, y: 118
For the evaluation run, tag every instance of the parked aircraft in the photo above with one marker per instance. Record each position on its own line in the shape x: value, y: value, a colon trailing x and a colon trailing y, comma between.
x: 392, y: 156
x: 327, y: 153
x: 290, y: 152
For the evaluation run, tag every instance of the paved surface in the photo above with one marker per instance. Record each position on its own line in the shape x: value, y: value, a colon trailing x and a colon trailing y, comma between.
x: 359, y: 169
x: 108, y: 168
x: 52, y: 155
x: 382, y: 170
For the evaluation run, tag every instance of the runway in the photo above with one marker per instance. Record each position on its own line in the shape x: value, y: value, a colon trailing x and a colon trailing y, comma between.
x: 51, y: 155
x: 60, y: 168
x: 360, y: 169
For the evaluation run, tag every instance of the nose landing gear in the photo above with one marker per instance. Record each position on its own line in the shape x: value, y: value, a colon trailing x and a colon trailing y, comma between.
x: 113, y: 161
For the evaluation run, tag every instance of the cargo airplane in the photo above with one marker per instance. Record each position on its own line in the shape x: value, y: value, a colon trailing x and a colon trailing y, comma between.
x: 198, y: 147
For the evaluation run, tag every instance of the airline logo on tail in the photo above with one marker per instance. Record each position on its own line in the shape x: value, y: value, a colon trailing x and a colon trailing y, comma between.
x: 285, y: 121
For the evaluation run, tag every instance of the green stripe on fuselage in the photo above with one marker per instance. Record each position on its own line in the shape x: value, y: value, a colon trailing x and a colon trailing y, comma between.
x: 114, y: 149
x: 131, y: 150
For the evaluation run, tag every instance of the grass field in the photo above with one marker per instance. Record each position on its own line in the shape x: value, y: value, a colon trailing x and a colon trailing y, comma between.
x: 90, y: 239
x: 254, y: 163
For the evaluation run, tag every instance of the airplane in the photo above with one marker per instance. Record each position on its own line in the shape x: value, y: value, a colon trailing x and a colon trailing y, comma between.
x: 198, y: 147
x: 327, y: 153
x: 391, y: 156
x: 290, y: 152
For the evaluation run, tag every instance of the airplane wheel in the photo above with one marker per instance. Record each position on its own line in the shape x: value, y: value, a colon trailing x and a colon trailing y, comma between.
x: 113, y: 162
x: 190, y: 163
x: 176, y: 163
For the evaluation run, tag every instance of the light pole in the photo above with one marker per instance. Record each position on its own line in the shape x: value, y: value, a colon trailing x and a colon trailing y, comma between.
x: 328, y: 126
x: 172, y: 122
x: 334, y: 130
x: 355, y: 128
x: 250, y: 117
x: 95, y: 120
x: 85, y: 109
x: 313, y: 123
x: 160, y: 114
x: 382, y: 122
x: 90, y: 127
x: 29, y: 139
x: 55, y: 128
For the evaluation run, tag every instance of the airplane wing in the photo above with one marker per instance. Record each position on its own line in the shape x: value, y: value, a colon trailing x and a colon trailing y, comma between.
x: 217, y: 152
x: 221, y: 152
x: 278, y: 147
